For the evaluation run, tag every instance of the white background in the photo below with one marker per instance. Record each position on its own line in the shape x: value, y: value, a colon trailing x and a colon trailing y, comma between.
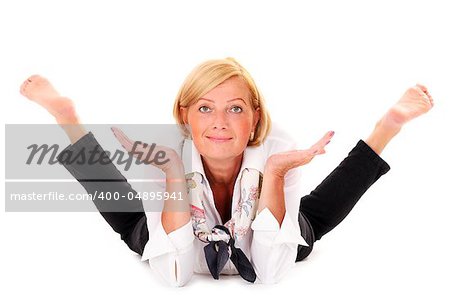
x: 321, y: 65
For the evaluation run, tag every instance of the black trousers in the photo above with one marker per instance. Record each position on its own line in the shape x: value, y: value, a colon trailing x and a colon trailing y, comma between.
x: 320, y: 211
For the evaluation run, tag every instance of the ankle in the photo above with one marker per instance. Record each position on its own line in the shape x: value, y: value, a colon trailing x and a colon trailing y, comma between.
x: 67, y: 119
x: 390, y: 124
x: 64, y: 111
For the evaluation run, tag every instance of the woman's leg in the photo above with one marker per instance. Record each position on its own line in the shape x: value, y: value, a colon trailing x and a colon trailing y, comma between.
x: 307, y: 234
x: 325, y: 207
x: 39, y: 90
x: 336, y: 196
x: 126, y: 217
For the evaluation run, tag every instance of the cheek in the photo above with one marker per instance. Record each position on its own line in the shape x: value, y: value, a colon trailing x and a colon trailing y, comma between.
x: 195, y: 123
x: 243, y: 128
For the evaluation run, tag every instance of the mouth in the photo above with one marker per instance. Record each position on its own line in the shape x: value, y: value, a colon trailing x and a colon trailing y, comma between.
x: 218, y: 139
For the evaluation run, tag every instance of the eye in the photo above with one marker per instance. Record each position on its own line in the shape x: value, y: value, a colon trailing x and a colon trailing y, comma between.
x: 203, y: 110
x: 236, y: 109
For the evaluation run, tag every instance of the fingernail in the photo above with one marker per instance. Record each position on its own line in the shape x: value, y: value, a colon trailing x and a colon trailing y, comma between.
x: 332, y: 133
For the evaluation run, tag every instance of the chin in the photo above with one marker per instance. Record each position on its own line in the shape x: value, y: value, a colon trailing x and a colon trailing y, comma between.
x: 220, y: 150
x: 221, y: 154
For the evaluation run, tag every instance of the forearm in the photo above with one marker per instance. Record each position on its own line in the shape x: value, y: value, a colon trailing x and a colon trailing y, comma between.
x: 176, y: 213
x: 272, y: 196
x: 382, y: 134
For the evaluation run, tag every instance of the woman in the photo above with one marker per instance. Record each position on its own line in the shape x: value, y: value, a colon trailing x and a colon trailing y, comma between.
x: 243, y: 214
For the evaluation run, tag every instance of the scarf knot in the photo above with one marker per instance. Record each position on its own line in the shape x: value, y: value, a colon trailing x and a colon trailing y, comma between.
x: 221, y: 238
x: 217, y: 254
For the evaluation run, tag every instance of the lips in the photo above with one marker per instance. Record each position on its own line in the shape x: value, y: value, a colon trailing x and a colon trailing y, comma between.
x: 218, y: 138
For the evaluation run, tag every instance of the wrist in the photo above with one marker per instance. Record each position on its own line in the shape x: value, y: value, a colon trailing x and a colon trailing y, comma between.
x: 273, y: 176
x: 175, y: 169
x: 175, y: 173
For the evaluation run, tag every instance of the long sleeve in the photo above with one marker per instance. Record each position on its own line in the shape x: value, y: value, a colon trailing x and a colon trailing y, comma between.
x: 170, y: 255
x: 103, y: 177
x: 274, y: 248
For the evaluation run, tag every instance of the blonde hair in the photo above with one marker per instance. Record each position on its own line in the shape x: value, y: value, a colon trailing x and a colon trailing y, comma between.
x: 207, y: 76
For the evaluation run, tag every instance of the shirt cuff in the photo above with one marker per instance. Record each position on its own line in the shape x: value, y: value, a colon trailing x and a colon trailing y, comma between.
x: 162, y: 243
x: 268, y: 232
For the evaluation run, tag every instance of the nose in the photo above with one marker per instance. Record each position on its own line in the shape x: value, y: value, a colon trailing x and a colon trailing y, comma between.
x: 220, y: 121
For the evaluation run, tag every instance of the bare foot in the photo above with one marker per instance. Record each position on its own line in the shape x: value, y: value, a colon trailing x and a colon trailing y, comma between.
x: 414, y: 102
x: 39, y: 90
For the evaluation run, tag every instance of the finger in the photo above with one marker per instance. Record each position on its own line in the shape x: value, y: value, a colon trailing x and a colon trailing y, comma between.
x: 323, y: 141
x: 123, y: 139
x: 121, y: 136
x: 306, y: 154
x: 300, y: 159
x: 321, y: 152
x: 120, y: 133
x: 138, y: 150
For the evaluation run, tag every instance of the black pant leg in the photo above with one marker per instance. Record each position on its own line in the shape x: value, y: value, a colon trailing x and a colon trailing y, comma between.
x: 97, y: 174
x: 335, y: 197
x: 307, y: 234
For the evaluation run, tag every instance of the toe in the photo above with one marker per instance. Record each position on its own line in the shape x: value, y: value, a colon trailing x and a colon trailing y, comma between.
x: 421, y: 92
x: 23, y: 87
x: 422, y: 87
x: 33, y: 77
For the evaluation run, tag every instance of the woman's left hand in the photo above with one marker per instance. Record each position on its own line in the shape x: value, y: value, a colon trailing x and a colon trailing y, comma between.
x: 151, y: 154
x: 280, y: 163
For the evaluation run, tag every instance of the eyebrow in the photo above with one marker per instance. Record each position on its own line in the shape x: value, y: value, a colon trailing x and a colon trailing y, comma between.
x: 227, y: 101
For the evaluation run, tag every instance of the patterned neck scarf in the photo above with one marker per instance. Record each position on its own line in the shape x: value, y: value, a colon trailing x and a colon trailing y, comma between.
x: 221, y: 238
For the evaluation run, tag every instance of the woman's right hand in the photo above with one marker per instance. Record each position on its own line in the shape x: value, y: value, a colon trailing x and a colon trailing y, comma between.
x: 143, y: 152
x: 280, y: 163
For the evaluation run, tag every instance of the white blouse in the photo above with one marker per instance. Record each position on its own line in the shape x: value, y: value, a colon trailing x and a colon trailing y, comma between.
x: 271, y: 249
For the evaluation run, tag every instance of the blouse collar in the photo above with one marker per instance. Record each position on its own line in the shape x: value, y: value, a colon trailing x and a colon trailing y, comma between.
x: 254, y: 157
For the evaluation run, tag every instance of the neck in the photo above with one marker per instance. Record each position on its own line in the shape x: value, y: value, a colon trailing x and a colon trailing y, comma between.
x: 222, y: 172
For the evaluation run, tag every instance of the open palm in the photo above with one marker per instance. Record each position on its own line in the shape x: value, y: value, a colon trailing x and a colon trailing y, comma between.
x: 149, y: 154
x: 280, y: 163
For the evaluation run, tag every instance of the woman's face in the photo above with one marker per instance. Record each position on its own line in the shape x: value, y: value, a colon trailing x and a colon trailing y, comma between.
x: 222, y: 120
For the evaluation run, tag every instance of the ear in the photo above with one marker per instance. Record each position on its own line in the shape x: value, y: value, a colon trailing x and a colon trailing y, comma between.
x: 256, y: 117
x: 184, y: 112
